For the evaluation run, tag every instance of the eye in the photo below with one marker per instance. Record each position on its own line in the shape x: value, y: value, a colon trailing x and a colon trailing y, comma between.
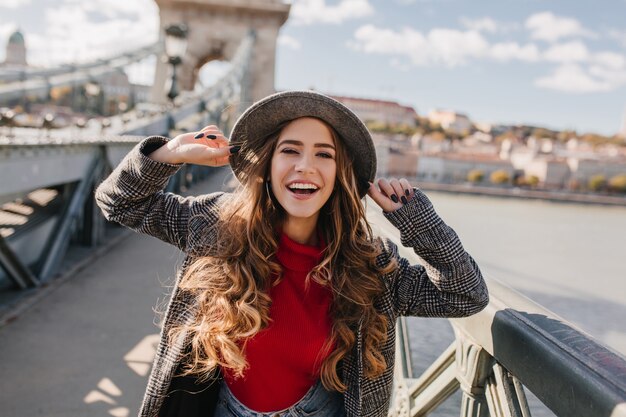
x: 325, y: 155
x: 288, y: 150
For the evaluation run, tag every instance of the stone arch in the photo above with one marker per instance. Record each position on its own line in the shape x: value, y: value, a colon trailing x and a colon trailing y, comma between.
x: 216, y: 28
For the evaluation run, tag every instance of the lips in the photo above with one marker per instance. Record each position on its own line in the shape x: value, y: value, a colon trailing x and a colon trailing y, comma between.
x: 302, y: 189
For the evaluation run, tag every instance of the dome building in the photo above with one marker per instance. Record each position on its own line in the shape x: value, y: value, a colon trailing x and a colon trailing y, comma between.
x: 16, y: 50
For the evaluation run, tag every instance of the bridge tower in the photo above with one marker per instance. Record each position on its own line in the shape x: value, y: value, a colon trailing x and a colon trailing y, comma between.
x: 216, y: 27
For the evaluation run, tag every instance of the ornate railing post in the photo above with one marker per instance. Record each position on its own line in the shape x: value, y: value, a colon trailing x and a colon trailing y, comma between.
x: 474, y: 366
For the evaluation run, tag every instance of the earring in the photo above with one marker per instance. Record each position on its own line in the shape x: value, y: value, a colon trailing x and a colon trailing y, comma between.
x: 267, y: 189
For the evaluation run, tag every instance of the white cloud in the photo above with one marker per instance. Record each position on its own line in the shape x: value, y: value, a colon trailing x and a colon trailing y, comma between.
x: 13, y: 4
x: 615, y: 77
x: 579, y: 70
x: 618, y: 35
x: 289, y: 42
x: 546, y: 26
x: 574, y: 51
x: 73, y: 34
x: 308, y: 12
x: 508, y: 51
x: 610, y: 60
x: 485, y: 24
x: 5, y: 31
x: 584, y: 72
x: 447, y: 47
x: 115, y: 8
x: 572, y: 78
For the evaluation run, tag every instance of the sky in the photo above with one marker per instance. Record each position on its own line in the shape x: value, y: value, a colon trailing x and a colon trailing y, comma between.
x: 560, y: 64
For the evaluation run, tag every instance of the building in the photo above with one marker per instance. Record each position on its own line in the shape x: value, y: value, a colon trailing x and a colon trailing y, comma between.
x: 585, y: 168
x: 394, y: 157
x: 455, y: 167
x: 551, y: 172
x: 389, y: 112
x: 450, y: 120
x: 15, y: 51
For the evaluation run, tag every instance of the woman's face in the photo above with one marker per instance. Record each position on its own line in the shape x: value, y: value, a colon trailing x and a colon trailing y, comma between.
x: 303, y: 168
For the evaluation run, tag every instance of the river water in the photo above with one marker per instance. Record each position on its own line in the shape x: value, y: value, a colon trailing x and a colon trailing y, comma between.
x: 570, y: 258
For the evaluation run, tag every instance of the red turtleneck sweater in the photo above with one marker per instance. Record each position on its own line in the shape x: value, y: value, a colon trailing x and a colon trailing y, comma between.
x: 285, y: 358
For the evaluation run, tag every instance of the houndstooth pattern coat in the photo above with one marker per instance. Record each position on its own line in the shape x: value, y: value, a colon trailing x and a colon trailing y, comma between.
x: 448, y: 284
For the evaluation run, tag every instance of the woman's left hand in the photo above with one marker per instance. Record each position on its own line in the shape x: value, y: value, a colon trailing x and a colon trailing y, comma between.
x: 390, y: 194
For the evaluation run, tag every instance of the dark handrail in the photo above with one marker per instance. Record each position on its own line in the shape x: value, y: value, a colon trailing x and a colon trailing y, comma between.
x: 568, y: 370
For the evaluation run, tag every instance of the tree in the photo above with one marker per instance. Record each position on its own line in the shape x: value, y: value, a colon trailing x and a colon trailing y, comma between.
x: 532, y: 180
x: 376, y: 126
x: 594, y: 139
x: 506, y: 135
x: 566, y: 135
x: 618, y: 183
x: 403, y: 129
x: 540, y: 133
x: 528, y: 181
x: 499, y: 177
x: 597, y: 182
x: 475, y: 175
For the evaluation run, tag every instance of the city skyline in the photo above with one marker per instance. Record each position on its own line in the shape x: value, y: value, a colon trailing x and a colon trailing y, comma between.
x: 556, y: 64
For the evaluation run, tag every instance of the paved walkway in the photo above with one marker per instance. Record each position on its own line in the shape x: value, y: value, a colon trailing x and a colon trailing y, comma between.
x: 85, y: 349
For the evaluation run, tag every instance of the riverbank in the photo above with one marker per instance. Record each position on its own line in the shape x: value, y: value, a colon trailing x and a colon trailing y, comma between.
x: 523, y: 193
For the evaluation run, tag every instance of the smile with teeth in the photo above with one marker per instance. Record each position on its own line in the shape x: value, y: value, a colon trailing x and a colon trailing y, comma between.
x: 302, y: 188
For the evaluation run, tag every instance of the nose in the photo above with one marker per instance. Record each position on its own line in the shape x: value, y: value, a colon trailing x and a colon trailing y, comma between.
x: 305, y: 164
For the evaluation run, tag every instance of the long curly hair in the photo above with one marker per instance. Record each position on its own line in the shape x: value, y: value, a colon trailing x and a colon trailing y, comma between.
x: 230, y: 285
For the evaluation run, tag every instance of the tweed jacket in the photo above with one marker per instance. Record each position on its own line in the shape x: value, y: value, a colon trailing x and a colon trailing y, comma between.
x: 447, y: 284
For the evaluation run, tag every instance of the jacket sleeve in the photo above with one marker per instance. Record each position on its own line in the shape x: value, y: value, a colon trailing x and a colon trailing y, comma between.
x: 133, y: 196
x: 448, y: 282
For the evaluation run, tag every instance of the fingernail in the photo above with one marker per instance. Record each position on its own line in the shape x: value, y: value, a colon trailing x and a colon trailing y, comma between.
x: 199, y: 135
x: 403, y: 198
x: 235, y: 149
x: 211, y: 136
x: 407, y: 192
x: 394, y: 198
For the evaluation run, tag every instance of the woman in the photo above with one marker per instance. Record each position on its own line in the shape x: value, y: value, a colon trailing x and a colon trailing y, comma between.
x: 286, y: 304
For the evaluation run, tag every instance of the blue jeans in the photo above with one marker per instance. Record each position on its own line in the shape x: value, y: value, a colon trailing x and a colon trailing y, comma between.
x: 316, y: 402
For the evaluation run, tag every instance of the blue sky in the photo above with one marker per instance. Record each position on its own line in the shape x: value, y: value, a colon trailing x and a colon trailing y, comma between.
x: 553, y: 63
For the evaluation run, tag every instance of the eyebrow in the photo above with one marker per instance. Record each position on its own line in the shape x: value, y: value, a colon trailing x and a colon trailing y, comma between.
x: 299, y: 143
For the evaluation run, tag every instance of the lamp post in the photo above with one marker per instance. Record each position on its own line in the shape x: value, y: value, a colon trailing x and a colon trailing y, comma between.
x: 175, y: 48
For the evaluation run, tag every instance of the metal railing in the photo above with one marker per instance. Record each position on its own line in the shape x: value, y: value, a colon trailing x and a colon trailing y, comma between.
x: 40, y: 82
x: 78, y: 219
x: 513, y: 343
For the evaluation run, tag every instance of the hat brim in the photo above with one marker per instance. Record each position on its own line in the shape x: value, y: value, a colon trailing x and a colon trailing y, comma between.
x: 264, y: 116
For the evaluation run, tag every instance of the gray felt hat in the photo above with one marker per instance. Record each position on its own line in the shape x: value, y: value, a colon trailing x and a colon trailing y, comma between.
x: 264, y: 116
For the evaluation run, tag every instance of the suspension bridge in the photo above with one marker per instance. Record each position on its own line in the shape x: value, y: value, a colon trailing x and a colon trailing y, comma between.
x: 77, y: 293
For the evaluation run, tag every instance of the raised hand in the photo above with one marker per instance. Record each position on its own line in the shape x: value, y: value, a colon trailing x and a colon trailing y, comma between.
x: 206, y: 147
x: 390, y: 194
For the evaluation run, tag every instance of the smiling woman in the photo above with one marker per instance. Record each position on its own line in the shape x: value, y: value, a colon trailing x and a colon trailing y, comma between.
x: 286, y: 303
x: 302, y: 175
